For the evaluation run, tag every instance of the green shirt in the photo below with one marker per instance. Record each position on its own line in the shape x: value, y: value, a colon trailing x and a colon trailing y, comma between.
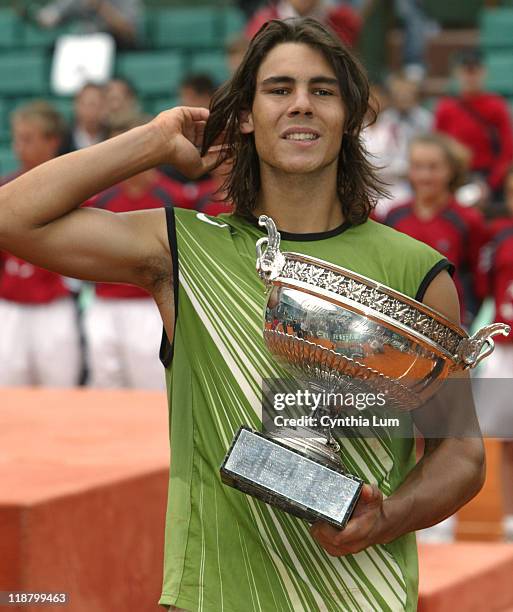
x: 226, y: 551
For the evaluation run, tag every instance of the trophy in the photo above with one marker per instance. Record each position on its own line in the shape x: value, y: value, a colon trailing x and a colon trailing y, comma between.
x: 339, y: 330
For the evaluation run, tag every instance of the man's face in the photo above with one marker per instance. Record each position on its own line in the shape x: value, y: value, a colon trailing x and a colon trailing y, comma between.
x: 31, y: 144
x: 430, y: 171
x: 471, y: 78
x: 118, y: 99
x: 298, y: 116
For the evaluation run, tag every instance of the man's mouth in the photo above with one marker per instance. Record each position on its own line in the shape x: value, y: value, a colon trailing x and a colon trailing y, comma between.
x: 301, y: 136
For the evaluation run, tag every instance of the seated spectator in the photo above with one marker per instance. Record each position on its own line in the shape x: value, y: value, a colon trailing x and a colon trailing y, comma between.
x: 480, y: 120
x: 117, y: 17
x: 89, y: 116
x: 122, y: 326
x: 388, y: 139
x: 342, y: 19
x: 195, y: 90
x: 494, y: 407
x: 39, y: 339
x: 438, y: 165
x: 120, y: 99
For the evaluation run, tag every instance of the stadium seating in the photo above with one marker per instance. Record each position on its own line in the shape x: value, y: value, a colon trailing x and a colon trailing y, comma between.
x: 186, y: 28
x: 152, y: 73
x: 496, y: 28
x: 8, y: 161
x: 9, y: 29
x: 23, y: 73
x: 500, y: 72
x: 212, y: 63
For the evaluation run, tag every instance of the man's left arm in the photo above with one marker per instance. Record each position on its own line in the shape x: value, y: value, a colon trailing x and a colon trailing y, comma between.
x: 449, y: 474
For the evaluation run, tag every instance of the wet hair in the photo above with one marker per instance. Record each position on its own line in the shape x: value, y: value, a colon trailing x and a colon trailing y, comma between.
x: 41, y: 111
x: 456, y: 154
x: 358, y: 185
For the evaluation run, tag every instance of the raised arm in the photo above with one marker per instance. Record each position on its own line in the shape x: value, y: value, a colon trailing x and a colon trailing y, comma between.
x: 40, y: 218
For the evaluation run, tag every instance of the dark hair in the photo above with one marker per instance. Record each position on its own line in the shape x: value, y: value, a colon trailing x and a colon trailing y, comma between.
x: 201, y: 84
x: 87, y: 86
x: 357, y: 183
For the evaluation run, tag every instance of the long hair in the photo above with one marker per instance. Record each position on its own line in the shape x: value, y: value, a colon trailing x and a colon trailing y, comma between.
x: 358, y: 186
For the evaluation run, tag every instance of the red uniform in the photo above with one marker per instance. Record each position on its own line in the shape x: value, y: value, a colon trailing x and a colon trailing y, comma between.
x: 497, y: 261
x: 482, y: 123
x: 25, y: 283
x: 456, y: 232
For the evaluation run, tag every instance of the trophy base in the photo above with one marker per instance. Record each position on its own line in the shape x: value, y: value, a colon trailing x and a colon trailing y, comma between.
x: 288, y: 479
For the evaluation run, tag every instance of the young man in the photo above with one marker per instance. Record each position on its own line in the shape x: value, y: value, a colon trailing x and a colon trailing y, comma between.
x: 290, y: 119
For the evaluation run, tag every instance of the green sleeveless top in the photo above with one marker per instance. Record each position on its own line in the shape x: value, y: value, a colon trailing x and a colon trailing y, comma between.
x: 226, y: 551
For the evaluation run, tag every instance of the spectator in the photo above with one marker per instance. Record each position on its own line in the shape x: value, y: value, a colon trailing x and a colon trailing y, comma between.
x: 388, y: 139
x: 342, y: 19
x: 123, y: 325
x: 195, y: 90
x: 120, y: 99
x: 88, y: 127
x: 118, y: 17
x: 479, y: 120
x: 495, y: 414
x: 438, y: 165
x: 39, y: 340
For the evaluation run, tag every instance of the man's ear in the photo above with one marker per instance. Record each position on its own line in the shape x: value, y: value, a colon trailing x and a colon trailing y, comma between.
x: 246, y: 122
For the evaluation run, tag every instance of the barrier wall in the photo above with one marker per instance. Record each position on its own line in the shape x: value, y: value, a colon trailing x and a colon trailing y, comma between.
x: 83, y: 485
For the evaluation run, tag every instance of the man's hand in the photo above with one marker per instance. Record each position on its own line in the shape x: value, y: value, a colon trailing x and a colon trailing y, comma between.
x: 182, y: 130
x: 362, y: 530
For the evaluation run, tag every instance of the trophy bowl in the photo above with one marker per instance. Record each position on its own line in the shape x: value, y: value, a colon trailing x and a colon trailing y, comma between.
x: 331, y: 325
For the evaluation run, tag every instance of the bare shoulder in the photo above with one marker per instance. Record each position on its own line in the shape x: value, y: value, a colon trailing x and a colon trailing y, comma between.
x: 441, y: 295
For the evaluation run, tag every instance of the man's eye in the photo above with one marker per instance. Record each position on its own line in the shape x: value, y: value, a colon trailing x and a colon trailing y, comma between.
x: 323, y: 92
x: 280, y: 91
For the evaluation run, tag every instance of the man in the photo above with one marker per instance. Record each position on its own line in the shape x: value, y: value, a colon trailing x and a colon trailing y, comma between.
x: 39, y: 340
x: 88, y: 123
x: 480, y: 120
x: 290, y: 121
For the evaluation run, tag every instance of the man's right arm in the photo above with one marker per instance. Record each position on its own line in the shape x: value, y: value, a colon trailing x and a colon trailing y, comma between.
x: 40, y: 218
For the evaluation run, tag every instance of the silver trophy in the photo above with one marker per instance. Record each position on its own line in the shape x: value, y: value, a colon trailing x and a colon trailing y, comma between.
x: 339, y: 330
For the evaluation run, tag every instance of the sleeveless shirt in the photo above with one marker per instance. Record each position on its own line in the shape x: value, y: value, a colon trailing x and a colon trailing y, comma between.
x: 226, y: 551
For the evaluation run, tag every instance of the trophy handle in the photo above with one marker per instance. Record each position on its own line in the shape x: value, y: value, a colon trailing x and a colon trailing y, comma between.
x: 271, y: 260
x: 470, y: 350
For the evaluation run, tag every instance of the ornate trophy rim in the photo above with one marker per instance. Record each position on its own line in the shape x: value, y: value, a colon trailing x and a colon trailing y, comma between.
x: 424, y: 324
x: 435, y: 337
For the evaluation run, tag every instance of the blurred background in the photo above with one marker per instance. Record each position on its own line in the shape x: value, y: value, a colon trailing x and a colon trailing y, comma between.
x: 75, y: 72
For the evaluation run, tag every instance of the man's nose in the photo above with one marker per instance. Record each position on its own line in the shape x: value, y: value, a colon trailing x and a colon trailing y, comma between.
x: 300, y: 103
